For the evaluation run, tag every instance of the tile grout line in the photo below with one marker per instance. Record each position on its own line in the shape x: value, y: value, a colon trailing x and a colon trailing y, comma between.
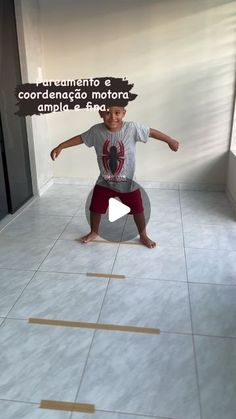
x: 19, y: 401
x: 16, y: 301
x: 33, y: 277
x: 58, y: 238
x: 191, y: 318
x: 161, y: 246
x: 85, y: 366
x: 52, y: 247
x: 129, y: 277
x: 35, y: 272
x: 168, y: 332
x: 97, y: 410
x: 14, y: 217
x: 134, y: 414
x: 188, y: 282
x: 71, y: 218
x: 94, y: 333
x: 163, y: 331
x: 141, y: 279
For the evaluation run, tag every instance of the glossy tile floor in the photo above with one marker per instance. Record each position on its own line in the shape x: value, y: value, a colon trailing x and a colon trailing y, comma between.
x: 186, y: 286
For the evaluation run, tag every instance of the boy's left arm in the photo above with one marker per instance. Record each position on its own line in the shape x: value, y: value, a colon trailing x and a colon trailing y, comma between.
x: 158, y: 135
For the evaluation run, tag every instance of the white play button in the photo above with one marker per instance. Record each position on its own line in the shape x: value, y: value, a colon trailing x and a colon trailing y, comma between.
x: 116, y: 210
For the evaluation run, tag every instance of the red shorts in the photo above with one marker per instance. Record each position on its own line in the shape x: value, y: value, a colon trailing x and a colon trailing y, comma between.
x: 101, y: 195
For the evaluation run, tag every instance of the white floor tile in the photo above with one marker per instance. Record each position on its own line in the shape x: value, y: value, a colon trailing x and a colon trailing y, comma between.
x: 72, y: 256
x: 12, y: 284
x: 41, y: 362
x: 161, y: 304
x: 128, y: 375
x: 110, y: 415
x: 142, y: 374
x: 215, y: 237
x: 38, y: 226
x: 211, y: 266
x: 141, y: 262
x: 76, y: 228
x: 27, y: 253
x: 216, y: 358
x: 210, y: 215
x: 16, y: 410
x: 213, y: 309
x: 61, y: 296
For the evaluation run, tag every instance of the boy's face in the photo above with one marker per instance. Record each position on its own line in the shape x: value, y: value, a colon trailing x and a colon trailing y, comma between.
x: 112, y: 117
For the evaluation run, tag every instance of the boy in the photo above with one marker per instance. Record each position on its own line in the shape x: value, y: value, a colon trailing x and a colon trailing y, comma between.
x: 114, y: 141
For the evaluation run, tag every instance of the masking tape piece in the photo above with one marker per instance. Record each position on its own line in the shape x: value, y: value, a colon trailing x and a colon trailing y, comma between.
x: 75, y: 407
x: 100, y: 326
x: 98, y: 275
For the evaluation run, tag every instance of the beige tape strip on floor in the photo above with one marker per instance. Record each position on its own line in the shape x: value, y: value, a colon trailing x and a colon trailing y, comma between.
x: 98, y: 275
x: 100, y: 326
x: 75, y: 407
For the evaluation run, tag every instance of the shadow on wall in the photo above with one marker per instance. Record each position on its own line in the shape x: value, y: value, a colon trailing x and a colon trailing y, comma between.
x: 95, y: 10
x: 181, y: 61
x: 143, y: 15
x: 199, y: 170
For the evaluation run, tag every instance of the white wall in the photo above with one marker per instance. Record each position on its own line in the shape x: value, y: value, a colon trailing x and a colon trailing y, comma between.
x: 30, y: 50
x: 180, y: 56
x: 231, y: 178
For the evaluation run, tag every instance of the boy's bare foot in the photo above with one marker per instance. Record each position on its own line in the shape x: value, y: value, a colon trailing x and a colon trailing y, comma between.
x: 89, y: 237
x: 147, y: 242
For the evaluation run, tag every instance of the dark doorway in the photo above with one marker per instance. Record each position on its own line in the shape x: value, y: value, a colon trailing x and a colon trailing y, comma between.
x: 15, y: 176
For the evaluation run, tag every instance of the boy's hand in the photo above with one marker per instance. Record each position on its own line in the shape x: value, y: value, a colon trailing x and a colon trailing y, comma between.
x: 55, y: 152
x: 173, y: 144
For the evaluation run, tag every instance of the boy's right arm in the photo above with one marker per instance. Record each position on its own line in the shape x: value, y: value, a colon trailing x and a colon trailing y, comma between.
x: 69, y: 143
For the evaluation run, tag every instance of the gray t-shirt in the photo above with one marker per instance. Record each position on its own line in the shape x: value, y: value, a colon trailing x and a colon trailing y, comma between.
x: 116, y: 153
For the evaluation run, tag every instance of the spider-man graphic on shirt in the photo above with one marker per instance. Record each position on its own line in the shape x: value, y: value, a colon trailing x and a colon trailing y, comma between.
x: 116, y: 152
x: 113, y: 157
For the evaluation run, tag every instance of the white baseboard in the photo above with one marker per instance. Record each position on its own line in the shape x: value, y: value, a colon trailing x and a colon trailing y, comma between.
x: 74, y: 181
x: 45, y: 187
x: 11, y: 217
x: 145, y: 184
x: 148, y: 184
x: 210, y: 187
x: 231, y: 199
